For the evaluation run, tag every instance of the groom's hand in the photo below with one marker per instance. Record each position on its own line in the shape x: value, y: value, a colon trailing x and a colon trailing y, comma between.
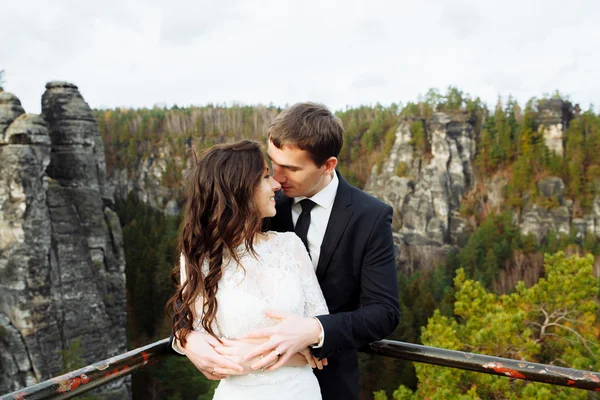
x: 312, y: 360
x: 292, y: 335
x: 199, y: 349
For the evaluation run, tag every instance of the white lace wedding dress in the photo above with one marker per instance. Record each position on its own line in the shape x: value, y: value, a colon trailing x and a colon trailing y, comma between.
x: 281, y: 278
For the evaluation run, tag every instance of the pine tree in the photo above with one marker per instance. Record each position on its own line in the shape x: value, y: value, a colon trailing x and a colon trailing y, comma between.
x: 553, y: 321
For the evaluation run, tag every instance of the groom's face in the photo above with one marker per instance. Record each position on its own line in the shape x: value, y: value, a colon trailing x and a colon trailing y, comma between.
x: 296, y: 171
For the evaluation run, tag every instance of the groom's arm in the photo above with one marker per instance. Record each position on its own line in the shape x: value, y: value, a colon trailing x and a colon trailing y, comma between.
x: 377, y: 317
x: 379, y: 311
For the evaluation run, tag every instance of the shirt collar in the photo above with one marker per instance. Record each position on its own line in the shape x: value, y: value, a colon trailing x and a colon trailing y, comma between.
x: 326, y: 196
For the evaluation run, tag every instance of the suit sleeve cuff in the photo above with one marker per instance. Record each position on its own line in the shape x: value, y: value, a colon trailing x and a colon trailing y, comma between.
x: 321, y: 337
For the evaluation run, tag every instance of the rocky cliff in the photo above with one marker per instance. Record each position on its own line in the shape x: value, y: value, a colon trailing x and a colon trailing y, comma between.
x: 143, y: 180
x: 426, y: 198
x: 61, y: 253
x: 426, y: 189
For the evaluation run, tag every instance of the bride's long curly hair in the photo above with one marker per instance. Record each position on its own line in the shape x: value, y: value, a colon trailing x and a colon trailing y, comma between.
x: 220, y: 215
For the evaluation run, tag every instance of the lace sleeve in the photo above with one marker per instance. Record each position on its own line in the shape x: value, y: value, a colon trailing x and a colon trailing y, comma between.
x: 182, y: 278
x: 314, y: 302
x: 197, y: 325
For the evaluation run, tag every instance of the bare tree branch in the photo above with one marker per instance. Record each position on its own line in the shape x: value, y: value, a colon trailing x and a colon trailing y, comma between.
x: 553, y: 319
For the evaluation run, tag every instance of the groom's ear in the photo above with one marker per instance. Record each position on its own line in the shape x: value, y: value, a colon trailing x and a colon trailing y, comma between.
x: 330, y: 165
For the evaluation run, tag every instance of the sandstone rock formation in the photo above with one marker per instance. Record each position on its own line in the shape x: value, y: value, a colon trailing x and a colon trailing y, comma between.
x: 427, y: 200
x: 559, y: 217
x: 62, y: 264
x: 143, y: 181
x: 553, y: 118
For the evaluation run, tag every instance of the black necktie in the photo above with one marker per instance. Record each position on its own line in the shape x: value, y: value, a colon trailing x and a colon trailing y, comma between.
x: 303, y: 222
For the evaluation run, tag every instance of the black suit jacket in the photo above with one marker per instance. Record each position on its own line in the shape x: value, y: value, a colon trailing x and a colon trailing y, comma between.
x: 357, y: 274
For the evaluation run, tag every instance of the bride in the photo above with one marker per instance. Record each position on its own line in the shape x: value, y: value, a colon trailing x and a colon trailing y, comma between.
x: 231, y: 272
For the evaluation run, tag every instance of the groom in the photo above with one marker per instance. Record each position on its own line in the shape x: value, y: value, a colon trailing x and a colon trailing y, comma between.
x: 349, y: 238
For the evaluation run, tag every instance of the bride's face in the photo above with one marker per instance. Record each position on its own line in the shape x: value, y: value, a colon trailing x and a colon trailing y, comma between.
x: 264, y: 197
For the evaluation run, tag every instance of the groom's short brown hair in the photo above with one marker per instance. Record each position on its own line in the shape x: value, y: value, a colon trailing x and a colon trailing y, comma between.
x: 311, y: 127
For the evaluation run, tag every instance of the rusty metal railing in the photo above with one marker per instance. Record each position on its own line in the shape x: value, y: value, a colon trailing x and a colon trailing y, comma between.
x: 84, y: 379
x: 488, y: 364
x: 92, y: 376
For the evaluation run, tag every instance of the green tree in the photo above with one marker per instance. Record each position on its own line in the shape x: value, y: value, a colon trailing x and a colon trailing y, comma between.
x: 490, y: 247
x: 575, y: 155
x: 551, y: 322
x: 483, y: 158
x: 454, y: 99
x: 503, y: 134
x: 433, y: 97
x: 418, y: 139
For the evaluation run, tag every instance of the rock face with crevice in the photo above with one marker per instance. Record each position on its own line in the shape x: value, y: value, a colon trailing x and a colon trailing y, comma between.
x: 426, y: 198
x: 62, y: 265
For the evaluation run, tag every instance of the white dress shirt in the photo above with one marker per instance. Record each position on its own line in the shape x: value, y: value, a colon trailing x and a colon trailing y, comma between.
x: 319, y: 217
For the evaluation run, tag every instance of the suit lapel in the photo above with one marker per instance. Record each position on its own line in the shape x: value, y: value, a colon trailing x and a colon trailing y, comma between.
x: 340, y: 215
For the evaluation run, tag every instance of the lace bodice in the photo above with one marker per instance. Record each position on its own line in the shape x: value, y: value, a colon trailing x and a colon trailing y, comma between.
x: 280, y: 278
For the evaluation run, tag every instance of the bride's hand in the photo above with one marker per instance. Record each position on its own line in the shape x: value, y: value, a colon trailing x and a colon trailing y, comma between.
x: 199, y: 350
x: 235, y: 350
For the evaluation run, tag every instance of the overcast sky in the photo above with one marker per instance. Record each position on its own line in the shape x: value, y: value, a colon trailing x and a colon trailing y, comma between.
x: 137, y: 53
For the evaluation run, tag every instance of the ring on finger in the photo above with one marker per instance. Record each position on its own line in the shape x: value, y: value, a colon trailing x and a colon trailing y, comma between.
x: 213, y: 371
x: 277, y: 353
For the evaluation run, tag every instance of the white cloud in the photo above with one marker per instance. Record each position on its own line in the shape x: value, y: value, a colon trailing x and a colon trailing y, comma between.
x: 138, y: 53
